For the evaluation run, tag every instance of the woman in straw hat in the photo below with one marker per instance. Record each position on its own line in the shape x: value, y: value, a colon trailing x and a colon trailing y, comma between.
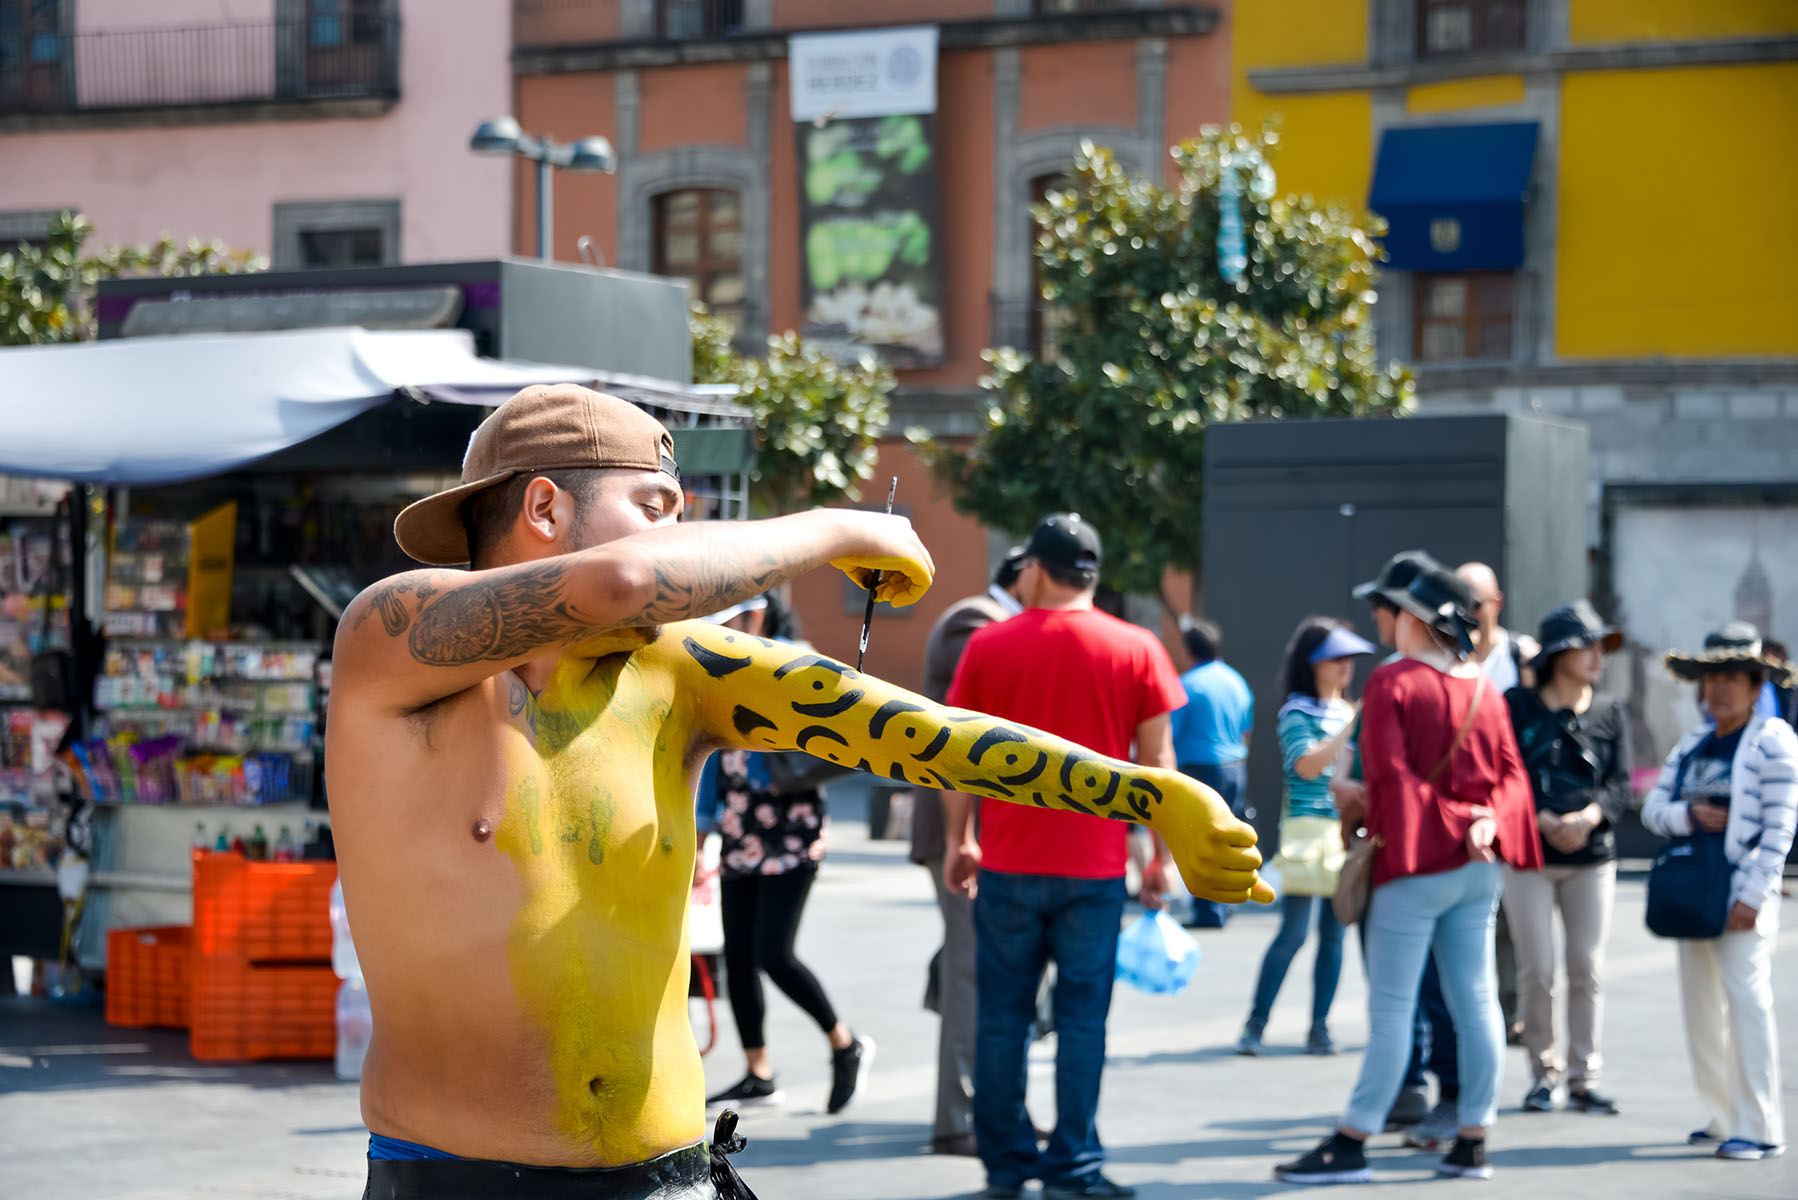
x: 1736, y: 774
x: 1447, y: 804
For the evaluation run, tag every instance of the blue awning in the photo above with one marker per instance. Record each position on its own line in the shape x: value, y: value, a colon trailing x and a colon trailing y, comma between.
x: 1453, y: 195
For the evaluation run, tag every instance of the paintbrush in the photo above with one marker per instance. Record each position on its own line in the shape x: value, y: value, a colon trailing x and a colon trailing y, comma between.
x: 873, y: 583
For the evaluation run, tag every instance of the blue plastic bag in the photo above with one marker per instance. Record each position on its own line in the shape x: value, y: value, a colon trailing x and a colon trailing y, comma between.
x: 1156, y: 956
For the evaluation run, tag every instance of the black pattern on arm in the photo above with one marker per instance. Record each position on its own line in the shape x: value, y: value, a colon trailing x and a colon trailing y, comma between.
x: 508, y: 616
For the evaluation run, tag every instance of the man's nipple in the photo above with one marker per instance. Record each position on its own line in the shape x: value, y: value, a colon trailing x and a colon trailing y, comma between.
x: 482, y: 830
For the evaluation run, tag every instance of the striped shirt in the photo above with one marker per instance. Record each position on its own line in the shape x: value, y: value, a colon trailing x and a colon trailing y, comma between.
x: 1763, y: 806
x: 1304, y: 722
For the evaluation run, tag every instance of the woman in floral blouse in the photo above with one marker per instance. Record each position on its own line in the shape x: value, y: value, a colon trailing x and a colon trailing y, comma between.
x: 770, y: 815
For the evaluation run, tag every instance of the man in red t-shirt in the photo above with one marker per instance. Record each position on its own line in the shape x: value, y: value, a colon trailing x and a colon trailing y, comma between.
x: 1051, y: 884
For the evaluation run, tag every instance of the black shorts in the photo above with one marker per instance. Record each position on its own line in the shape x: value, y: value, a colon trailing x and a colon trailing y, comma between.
x: 698, y: 1172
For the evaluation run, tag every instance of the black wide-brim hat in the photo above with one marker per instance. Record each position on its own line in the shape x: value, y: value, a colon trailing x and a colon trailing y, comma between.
x: 1439, y: 598
x: 1395, y: 576
x: 1735, y: 647
x: 1574, y: 627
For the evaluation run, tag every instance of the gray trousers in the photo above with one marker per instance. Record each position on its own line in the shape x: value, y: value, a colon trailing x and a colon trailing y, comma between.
x: 958, y: 1000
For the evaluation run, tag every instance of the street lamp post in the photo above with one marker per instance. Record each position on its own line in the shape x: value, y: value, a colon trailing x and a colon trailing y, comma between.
x: 590, y: 154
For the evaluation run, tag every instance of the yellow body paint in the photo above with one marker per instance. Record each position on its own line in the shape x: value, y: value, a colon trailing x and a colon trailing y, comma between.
x: 599, y: 822
x: 600, y: 827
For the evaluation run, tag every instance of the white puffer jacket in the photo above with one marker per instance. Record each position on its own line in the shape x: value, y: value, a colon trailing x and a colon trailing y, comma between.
x: 1763, y: 806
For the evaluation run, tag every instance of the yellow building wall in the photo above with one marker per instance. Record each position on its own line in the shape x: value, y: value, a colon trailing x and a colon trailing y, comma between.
x: 1325, y: 140
x: 1482, y: 91
x: 1678, y: 213
x: 1659, y: 20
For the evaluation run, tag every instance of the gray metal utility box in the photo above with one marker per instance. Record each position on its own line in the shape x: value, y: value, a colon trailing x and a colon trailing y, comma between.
x: 1298, y: 512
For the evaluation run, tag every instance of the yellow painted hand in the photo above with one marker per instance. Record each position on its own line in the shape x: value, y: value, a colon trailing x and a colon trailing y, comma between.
x: 892, y: 549
x: 1215, y: 852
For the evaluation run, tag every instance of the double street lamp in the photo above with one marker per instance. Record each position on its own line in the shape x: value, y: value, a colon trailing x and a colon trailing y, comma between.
x: 590, y: 155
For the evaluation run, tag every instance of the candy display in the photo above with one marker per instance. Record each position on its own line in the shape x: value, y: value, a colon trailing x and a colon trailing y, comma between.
x: 200, y: 722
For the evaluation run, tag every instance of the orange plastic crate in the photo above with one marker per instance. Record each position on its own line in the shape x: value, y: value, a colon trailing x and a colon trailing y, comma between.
x: 242, y: 1013
x: 147, y: 970
x: 262, y: 912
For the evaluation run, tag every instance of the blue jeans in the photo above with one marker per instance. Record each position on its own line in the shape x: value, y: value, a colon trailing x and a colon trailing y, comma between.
x: 1437, y: 1053
x: 1454, y: 914
x: 1021, y: 922
x: 1231, y: 781
x: 1432, y: 1034
x: 1295, y: 926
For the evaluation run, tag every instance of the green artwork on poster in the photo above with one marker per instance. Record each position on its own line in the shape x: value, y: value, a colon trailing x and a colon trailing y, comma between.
x: 873, y: 278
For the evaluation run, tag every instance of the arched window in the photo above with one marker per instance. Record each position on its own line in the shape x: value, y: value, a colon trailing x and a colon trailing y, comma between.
x: 698, y: 235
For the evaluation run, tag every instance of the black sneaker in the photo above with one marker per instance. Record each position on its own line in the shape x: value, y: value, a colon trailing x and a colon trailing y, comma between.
x: 751, y: 1091
x: 1466, y: 1161
x: 1541, y: 1097
x: 1588, y: 1101
x: 846, y: 1067
x: 1337, y: 1159
x: 1092, y: 1185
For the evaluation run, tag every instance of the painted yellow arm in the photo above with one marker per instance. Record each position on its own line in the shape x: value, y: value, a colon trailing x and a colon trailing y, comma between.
x: 761, y: 695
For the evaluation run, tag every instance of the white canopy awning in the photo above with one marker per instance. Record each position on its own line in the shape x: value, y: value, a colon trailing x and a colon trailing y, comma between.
x: 155, y: 410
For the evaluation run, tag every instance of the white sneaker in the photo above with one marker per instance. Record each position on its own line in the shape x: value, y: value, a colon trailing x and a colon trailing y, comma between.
x: 1436, y: 1131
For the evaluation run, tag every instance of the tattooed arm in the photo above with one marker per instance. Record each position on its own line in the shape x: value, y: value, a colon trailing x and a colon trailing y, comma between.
x: 416, y: 638
x: 759, y: 695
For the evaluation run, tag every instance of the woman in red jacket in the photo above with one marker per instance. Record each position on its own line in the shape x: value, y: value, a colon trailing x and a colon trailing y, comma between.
x: 1447, y: 802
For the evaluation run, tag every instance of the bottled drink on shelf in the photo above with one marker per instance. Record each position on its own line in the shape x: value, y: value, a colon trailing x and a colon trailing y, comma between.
x: 201, y: 843
x: 284, y: 848
x: 237, y: 846
x: 354, y: 1024
x: 257, y: 850
x: 343, y: 949
x: 223, y: 845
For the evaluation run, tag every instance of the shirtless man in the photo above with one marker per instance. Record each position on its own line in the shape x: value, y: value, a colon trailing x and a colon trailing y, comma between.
x: 511, y: 759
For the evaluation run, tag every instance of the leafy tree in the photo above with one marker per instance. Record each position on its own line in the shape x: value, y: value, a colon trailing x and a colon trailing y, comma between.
x: 816, y: 420
x: 1153, y: 342
x: 46, y: 292
x: 714, y: 357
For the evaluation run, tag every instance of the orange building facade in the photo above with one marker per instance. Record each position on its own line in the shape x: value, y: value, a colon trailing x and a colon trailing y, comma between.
x: 694, y: 96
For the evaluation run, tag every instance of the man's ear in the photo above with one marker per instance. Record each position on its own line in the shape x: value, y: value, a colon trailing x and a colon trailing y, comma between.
x: 543, y: 515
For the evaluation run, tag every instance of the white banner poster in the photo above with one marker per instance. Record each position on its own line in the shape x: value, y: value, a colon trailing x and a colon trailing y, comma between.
x: 1680, y: 573
x: 867, y: 73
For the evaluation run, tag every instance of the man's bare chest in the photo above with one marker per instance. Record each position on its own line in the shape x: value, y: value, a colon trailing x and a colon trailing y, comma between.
x: 596, y: 777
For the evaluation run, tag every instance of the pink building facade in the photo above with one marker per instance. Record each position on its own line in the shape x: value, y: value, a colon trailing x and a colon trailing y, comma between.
x: 317, y: 132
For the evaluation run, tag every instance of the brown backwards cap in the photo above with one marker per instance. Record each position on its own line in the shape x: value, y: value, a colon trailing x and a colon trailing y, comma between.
x: 549, y: 427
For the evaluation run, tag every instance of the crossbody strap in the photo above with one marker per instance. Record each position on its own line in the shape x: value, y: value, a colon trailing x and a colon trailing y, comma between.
x: 1473, y: 708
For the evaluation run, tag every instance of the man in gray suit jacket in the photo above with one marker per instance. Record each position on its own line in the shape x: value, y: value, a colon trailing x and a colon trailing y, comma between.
x: 953, y: 1131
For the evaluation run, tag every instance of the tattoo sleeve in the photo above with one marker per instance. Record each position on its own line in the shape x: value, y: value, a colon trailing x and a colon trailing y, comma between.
x: 514, y: 612
x: 716, y: 575
x: 505, y: 616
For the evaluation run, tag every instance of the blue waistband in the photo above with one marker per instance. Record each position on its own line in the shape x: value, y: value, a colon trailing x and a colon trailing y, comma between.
x: 392, y: 1148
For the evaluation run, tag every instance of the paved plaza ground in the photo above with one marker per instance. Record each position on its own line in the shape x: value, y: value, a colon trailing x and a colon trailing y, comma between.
x: 104, y: 1114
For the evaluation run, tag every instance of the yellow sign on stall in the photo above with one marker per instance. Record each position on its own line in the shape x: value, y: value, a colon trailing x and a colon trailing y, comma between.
x: 212, y: 546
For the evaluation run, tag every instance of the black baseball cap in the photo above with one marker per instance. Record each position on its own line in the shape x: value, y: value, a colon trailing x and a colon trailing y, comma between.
x: 1065, y: 540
